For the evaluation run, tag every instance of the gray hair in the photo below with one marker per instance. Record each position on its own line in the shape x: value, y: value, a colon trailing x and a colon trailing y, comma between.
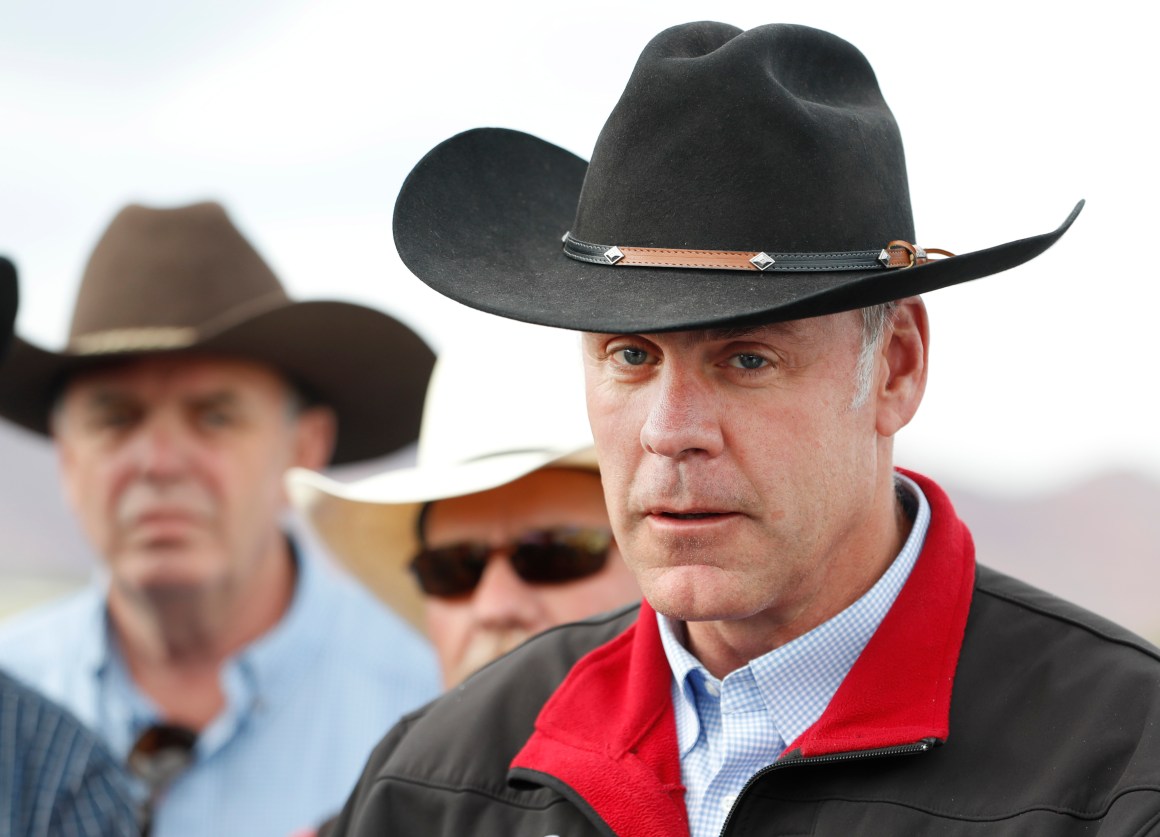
x: 874, y: 321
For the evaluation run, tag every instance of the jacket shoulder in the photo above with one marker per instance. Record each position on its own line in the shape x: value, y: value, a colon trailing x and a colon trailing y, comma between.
x: 1053, y: 705
x: 53, y: 763
x: 467, y: 738
x: 1021, y: 601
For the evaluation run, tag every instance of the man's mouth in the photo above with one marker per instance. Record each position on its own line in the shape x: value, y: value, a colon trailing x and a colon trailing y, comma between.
x: 160, y: 528
x: 165, y: 514
x: 165, y: 517
x: 691, y: 515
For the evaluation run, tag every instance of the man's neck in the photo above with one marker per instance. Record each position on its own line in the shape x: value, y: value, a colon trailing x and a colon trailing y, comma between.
x: 175, y: 644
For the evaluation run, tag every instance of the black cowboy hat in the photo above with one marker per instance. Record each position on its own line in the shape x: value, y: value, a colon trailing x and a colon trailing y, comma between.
x: 8, y: 297
x: 743, y: 177
x: 186, y: 280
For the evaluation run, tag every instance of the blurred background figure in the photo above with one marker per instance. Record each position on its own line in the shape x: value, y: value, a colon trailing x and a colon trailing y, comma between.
x: 500, y: 531
x: 55, y: 775
x: 215, y: 656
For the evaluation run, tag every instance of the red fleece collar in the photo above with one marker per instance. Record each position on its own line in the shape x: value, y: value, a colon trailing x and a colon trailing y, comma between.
x: 899, y: 689
x: 609, y: 731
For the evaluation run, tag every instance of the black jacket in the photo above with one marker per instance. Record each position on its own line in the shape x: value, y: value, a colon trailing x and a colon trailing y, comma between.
x: 1052, y: 728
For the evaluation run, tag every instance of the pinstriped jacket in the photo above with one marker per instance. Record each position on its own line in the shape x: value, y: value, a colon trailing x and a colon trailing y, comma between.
x: 56, y: 778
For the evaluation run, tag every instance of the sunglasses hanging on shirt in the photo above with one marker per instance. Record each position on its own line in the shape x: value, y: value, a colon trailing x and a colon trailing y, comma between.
x: 159, y: 755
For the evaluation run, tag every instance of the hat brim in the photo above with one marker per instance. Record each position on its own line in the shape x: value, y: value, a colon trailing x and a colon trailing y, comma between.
x: 8, y: 298
x: 480, y: 220
x: 325, y: 347
x: 370, y: 526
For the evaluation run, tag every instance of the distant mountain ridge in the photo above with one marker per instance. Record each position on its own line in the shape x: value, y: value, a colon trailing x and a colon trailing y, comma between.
x: 1096, y: 543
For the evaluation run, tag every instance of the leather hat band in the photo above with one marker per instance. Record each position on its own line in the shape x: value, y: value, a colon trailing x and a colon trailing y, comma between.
x: 896, y: 254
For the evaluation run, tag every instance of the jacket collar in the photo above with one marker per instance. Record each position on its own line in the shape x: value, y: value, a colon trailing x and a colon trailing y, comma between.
x: 608, y: 732
x: 899, y: 690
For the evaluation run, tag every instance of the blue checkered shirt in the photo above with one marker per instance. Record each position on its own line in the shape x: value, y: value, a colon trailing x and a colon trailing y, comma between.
x: 729, y: 729
x: 56, y: 778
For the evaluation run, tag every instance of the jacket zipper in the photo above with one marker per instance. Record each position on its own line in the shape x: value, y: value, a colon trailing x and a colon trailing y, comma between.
x: 921, y: 746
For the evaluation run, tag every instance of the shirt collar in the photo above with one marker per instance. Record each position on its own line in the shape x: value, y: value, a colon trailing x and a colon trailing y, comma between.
x: 292, y: 644
x: 687, y: 670
x: 798, y: 680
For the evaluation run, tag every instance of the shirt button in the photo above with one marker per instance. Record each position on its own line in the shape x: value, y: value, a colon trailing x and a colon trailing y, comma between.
x: 712, y: 688
x: 727, y: 802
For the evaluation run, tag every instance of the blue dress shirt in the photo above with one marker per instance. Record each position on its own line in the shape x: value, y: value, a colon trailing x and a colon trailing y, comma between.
x: 729, y: 729
x: 305, y: 703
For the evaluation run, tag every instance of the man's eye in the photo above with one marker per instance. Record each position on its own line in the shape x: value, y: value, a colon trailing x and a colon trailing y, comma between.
x: 111, y: 419
x: 748, y: 361
x: 633, y: 356
x: 216, y: 418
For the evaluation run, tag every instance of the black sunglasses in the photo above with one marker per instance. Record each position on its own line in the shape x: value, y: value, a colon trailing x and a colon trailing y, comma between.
x: 159, y: 755
x: 544, y: 556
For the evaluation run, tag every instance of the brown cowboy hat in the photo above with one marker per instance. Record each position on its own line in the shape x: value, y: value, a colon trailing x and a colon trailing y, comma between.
x: 186, y: 280
x: 7, y: 302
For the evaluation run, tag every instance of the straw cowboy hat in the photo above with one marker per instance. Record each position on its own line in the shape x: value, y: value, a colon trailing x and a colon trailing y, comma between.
x: 743, y: 177
x: 185, y: 280
x: 8, y: 297
x: 500, y: 407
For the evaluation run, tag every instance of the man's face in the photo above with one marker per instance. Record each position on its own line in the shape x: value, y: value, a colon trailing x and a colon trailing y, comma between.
x: 739, y: 478
x: 504, y: 610
x: 174, y: 466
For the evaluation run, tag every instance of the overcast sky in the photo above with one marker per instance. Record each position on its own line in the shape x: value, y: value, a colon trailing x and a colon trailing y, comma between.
x: 304, y: 118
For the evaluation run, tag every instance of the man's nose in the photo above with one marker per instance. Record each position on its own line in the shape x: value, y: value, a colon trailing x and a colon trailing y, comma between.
x: 160, y: 450
x: 683, y: 416
x: 503, y: 599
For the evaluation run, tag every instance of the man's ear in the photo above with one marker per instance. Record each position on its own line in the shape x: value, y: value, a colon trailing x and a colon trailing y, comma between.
x: 317, y: 428
x: 904, y: 349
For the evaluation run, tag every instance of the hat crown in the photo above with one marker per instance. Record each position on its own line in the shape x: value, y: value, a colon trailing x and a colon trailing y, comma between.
x: 776, y: 138
x: 513, y: 388
x: 771, y: 149
x: 160, y: 270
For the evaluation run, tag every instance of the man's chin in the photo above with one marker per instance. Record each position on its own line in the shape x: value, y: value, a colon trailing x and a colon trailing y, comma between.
x: 168, y: 570
x: 695, y: 594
